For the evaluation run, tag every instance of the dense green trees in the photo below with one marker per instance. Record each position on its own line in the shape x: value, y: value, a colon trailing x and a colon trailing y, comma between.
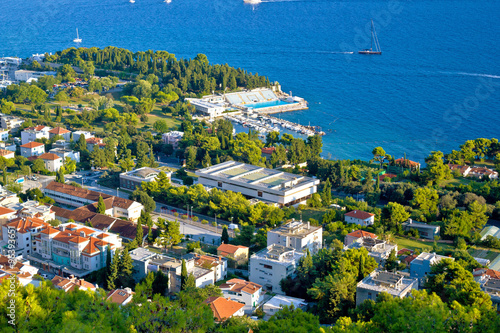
x: 169, y: 232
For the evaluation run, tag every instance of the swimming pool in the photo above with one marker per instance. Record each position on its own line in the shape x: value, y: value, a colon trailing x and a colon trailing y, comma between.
x: 266, y: 104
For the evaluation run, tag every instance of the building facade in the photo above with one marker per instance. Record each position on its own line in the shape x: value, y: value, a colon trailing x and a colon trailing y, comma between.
x: 421, y: 265
x: 298, y: 235
x: 243, y: 291
x: 425, y: 230
x: 133, y: 179
x: 32, y: 133
x: 32, y: 149
x: 378, y: 281
x: 360, y: 217
x: 52, y: 162
x: 172, y: 138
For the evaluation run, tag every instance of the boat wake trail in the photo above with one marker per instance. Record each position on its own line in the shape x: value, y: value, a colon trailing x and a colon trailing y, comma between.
x: 491, y: 76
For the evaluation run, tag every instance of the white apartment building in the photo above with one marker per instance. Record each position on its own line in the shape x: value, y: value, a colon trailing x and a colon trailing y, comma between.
x: 217, y: 264
x: 207, y: 108
x: 274, y: 186
x: 61, y: 132
x: 32, y: 209
x: 4, y: 135
x: 172, y: 138
x: 11, y: 122
x: 32, y: 149
x: 86, y: 135
x: 23, y: 75
x: 377, y: 248
x: 278, y: 302
x: 243, y: 291
x: 32, y: 133
x: 298, y: 235
x: 378, y: 281
x: 272, y: 264
x: 63, y: 153
x: 25, y: 231
x: 52, y: 162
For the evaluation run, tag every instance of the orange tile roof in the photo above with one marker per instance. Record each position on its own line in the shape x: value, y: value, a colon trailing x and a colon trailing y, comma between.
x: 58, y: 131
x: 239, y: 285
x: 490, y: 272
x: 36, y: 128
x: 230, y: 249
x: 222, y: 308
x: 5, y: 210
x: 361, y: 233
x: 119, y: 296
x: 94, y: 140
x: 50, y: 230
x: 4, y: 152
x: 49, y: 156
x: 24, y: 225
x: 32, y: 145
x: 406, y: 162
x: 359, y: 214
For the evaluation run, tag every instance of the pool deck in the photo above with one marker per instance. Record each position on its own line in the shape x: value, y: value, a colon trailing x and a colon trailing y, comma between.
x: 282, y: 108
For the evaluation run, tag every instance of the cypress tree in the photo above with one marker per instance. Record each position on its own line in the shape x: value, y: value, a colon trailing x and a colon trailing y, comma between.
x: 225, y: 236
x: 81, y: 145
x: 113, y: 271
x: 160, y: 283
x: 60, y: 176
x: 101, y: 206
x: 361, y: 268
x: 125, y: 269
x: 184, y: 275
x: 139, y: 234
x: 150, y: 235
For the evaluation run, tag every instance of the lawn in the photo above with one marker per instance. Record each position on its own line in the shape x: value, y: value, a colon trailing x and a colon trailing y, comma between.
x: 456, y: 182
x: 156, y: 114
x: 484, y: 253
x: 418, y: 245
x: 310, y: 213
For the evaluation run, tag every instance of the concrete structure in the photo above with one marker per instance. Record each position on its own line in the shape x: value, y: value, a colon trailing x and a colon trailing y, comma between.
x: 86, y: 135
x: 72, y: 283
x: 480, y: 173
x: 298, y: 235
x: 7, y: 197
x: 425, y: 230
x: 8, y: 146
x: 25, y: 75
x: 33, y: 209
x: 77, y: 197
x: 63, y: 153
x: 217, y: 264
x: 421, y: 265
x: 378, y: 281
x: 61, y: 144
x: 33, y: 133
x: 11, y: 123
x: 172, y: 138
x: 140, y: 259
x: 236, y: 253
x: 61, y: 132
x: 7, y: 154
x: 133, y: 179
x: 52, y: 162
x: 278, y: 187
x: 378, y: 249
x: 4, y: 135
x: 32, y: 149
x: 94, y: 142
x: 278, y: 302
x: 223, y: 309
x: 356, y: 234
x: 243, y: 291
x: 360, y: 217
x: 121, y: 296
x: 73, y: 249
x: 272, y: 264
x: 207, y: 108
x: 492, y: 288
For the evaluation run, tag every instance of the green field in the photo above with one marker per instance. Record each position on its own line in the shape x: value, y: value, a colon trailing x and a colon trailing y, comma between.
x: 413, y: 244
x: 310, y: 213
x: 484, y: 253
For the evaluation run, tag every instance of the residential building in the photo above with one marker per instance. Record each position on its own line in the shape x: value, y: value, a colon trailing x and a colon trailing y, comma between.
x: 224, y: 309
x: 121, y: 296
x: 140, y: 259
x: 59, y: 131
x: 406, y: 163
x: 93, y: 142
x: 7, y: 197
x: 425, y: 230
x: 7, y: 154
x: 379, y: 281
x: 33, y: 133
x: 489, y: 280
x: 63, y: 153
x: 61, y: 144
x: 23, y: 75
x: 274, y: 186
x: 356, y: 234
x: 71, y: 283
x: 6, y: 214
x: 462, y: 169
x: 26, y: 230
x: 32, y: 149
x: 378, y: 249
x: 52, y: 162
x: 172, y: 138
x: 11, y: 123
x: 272, y: 264
x: 33, y: 209
x: 207, y: 108
x: 421, y: 265
x: 360, y: 217
x: 73, y: 249
x: 216, y: 264
x: 77, y: 197
x: 298, y: 235
x: 86, y: 135
x: 278, y: 302
x: 22, y: 269
x: 4, y: 135
x: 243, y: 291
x: 133, y: 179
x: 8, y: 146
x: 172, y: 268
x: 236, y: 253
x: 480, y: 173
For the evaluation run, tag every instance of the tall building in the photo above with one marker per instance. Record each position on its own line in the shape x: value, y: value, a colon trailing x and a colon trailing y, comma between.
x: 298, y: 235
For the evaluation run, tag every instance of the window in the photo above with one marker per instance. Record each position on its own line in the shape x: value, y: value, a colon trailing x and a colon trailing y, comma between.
x: 259, y: 194
x: 268, y: 266
x: 219, y: 184
x: 369, y: 295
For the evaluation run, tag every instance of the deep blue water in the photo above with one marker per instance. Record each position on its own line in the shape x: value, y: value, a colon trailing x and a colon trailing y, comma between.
x: 437, y: 57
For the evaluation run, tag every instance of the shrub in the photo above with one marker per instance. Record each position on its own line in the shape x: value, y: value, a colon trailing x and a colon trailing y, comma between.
x: 204, y: 222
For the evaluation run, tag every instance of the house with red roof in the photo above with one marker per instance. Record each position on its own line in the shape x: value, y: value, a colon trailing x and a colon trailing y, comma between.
x: 356, y: 234
x: 360, y: 217
x: 406, y: 163
x: 71, y: 283
x: 121, y: 296
x: 223, y: 309
x: 52, y: 162
x: 217, y: 264
x: 61, y: 132
x: 32, y: 149
x: 24, y: 230
x: 243, y: 291
x: 32, y: 133
x: 93, y: 142
x: 7, y: 153
x: 238, y: 253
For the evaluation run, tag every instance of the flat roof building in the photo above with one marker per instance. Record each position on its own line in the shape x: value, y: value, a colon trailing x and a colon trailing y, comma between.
x: 421, y: 265
x: 378, y: 281
x: 278, y: 302
x: 275, y: 186
x: 133, y: 179
x: 377, y: 248
x: 210, y: 109
x: 425, y: 230
x: 298, y: 235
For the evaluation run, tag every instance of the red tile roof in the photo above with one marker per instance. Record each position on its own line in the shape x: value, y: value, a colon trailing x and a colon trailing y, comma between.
x: 362, y: 233
x: 406, y: 162
x: 119, y: 296
x: 37, y: 128
x: 4, y: 152
x: 239, y: 285
x: 58, y: 131
x: 268, y: 150
x: 23, y: 225
x: 410, y: 258
x: 5, y: 210
x: 32, y: 145
x: 49, y: 156
x: 227, y: 249
x: 94, y: 140
x: 486, y: 271
x: 222, y: 308
x: 359, y: 214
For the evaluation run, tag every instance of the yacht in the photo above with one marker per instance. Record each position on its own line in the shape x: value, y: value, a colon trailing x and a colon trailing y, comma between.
x: 252, y: 1
x: 132, y: 1
x: 77, y: 39
x: 374, y: 42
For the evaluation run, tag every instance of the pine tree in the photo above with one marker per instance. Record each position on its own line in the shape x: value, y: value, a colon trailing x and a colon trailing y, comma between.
x: 101, y: 206
x: 217, y: 160
x: 326, y: 196
x: 81, y: 144
x: 150, y: 235
x: 206, y: 160
x: 125, y: 269
x: 113, y: 271
x: 139, y: 234
x: 160, y: 283
x: 190, y: 282
x: 225, y: 236
x: 361, y: 268
x: 184, y: 274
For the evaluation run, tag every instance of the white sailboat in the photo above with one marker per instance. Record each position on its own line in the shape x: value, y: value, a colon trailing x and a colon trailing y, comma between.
x: 132, y: 1
x: 167, y: 1
x: 252, y: 1
x: 77, y: 39
x: 374, y: 42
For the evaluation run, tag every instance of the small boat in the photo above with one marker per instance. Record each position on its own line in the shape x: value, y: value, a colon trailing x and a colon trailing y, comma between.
x: 374, y: 40
x: 252, y: 1
x: 132, y: 1
x: 77, y: 39
x: 167, y: 1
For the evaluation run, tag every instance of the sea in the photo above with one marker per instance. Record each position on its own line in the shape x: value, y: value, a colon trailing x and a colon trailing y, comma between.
x: 436, y: 84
